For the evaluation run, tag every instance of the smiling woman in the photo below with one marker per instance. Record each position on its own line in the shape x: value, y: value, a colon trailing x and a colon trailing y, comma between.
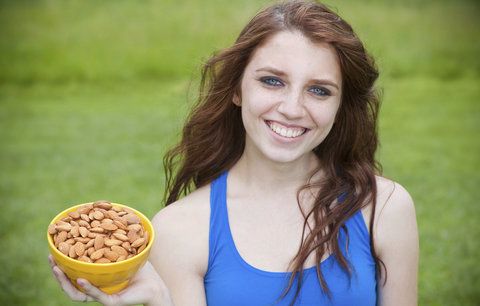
x: 289, y: 97
x: 288, y: 204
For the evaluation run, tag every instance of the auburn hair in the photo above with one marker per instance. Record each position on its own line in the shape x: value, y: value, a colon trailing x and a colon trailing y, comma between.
x: 213, y: 137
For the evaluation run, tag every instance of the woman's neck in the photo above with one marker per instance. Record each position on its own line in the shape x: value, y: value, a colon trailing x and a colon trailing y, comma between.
x: 256, y: 173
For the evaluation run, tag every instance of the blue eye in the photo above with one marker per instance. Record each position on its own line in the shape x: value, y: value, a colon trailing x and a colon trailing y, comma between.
x: 271, y: 81
x: 319, y: 91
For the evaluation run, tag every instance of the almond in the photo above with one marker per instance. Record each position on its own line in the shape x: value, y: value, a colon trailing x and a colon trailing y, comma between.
x: 126, y: 246
x: 85, y: 209
x: 79, y: 248
x: 132, y: 218
x: 119, y: 250
x: 85, y: 259
x: 132, y: 236
x: 74, y: 214
x: 64, y: 247
x: 103, y: 204
x: 99, y: 242
x: 72, y: 253
x: 141, y: 248
x: 134, y: 227
x: 106, y: 219
x: 64, y: 227
x: 109, y: 226
x: 83, y: 231
x: 120, y: 224
x: 61, y: 237
x: 138, y: 242
x: 112, y: 242
x: 84, y: 223
x: 102, y: 260
x: 97, y: 254
x: 111, y: 214
x: 90, y: 251
x: 70, y: 241
x: 52, y: 229
x: 121, y: 237
x: 90, y: 243
x: 74, y: 231
x: 82, y: 240
x: 120, y: 231
x: 117, y: 209
x: 97, y: 230
x: 98, y: 215
x: 111, y: 255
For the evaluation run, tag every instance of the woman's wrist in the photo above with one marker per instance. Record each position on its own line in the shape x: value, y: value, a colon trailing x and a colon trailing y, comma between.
x: 160, y: 297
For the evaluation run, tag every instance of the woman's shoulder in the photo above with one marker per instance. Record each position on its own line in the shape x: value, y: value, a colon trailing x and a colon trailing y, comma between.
x: 394, y: 213
x: 190, y: 208
x: 393, y: 197
x: 183, y: 228
x: 392, y: 200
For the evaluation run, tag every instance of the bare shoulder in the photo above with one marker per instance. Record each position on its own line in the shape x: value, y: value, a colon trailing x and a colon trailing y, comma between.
x: 394, y: 213
x: 182, y: 230
x: 396, y: 243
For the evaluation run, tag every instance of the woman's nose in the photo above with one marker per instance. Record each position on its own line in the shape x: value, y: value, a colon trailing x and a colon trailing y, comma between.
x: 291, y: 105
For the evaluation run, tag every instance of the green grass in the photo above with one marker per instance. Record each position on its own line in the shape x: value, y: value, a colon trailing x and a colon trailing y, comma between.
x: 93, y: 93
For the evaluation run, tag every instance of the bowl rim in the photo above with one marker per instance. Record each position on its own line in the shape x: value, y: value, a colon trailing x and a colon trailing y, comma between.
x: 88, y: 264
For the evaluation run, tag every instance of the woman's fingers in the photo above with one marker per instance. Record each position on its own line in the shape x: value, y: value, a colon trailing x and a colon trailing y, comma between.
x: 66, y: 285
x: 98, y: 294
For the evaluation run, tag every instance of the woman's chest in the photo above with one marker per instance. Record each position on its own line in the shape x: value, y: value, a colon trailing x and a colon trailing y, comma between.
x: 268, y: 238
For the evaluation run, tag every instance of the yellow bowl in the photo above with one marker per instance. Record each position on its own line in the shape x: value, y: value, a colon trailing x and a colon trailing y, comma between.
x: 109, y: 277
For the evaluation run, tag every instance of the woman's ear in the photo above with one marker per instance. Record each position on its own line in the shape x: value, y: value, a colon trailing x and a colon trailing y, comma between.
x: 236, y: 100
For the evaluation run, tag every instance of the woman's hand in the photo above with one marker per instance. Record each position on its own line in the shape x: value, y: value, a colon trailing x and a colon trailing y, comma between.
x: 146, y: 287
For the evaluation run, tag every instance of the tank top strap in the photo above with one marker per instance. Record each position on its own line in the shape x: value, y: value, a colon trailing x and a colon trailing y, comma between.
x: 218, y: 216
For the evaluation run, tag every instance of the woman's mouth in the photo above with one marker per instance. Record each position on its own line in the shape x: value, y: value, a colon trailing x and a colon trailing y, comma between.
x: 284, y: 131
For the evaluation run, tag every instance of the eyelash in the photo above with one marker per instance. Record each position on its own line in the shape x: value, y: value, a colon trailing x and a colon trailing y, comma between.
x: 276, y: 82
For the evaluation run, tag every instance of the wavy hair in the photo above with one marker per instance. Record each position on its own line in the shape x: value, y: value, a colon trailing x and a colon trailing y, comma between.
x: 213, y: 138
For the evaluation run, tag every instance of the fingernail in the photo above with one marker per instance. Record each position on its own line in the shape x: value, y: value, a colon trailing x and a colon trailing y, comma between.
x: 81, y: 283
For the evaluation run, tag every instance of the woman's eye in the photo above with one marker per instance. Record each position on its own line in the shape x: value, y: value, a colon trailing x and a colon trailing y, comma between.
x: 319, y: 91
x: 271, y: 81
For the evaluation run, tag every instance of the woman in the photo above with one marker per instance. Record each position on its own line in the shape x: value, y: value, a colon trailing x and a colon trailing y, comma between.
x: 288, y: 206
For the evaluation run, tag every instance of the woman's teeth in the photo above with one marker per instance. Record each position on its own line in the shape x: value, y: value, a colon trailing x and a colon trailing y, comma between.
x: 286, y: 132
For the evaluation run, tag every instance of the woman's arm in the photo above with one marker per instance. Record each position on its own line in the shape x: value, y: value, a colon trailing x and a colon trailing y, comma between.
x: 396, y: 240
x: 180, y: 253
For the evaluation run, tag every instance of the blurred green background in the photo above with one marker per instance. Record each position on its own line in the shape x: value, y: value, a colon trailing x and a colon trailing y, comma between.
x: 92, y: 93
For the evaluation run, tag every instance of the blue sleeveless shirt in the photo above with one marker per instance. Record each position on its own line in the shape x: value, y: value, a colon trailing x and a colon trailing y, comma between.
x: 231, y: 281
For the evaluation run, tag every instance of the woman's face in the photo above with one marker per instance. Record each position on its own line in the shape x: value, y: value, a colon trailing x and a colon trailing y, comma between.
x: 290, y: 94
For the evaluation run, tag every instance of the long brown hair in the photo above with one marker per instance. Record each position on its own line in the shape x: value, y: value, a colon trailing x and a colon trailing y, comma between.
x: 213, y: 137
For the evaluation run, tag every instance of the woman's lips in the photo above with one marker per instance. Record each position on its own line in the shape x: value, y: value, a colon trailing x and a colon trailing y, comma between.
x: 286, y: 131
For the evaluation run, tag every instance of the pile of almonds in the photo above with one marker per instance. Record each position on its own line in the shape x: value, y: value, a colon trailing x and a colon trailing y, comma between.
x: 99, y: 233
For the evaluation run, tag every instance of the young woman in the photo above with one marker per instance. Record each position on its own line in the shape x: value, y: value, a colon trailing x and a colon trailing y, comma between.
x: 288, y: 206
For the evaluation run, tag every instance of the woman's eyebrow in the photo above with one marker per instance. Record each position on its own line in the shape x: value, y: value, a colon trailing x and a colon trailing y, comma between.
x: 326, y: 82
x: 281, y: 73
x: 272, y: 70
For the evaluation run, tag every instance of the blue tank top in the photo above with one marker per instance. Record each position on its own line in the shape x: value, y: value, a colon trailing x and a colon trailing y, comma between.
x: 231, y: 281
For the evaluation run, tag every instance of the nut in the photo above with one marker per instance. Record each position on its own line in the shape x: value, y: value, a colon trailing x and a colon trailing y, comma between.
x: 99, y: 232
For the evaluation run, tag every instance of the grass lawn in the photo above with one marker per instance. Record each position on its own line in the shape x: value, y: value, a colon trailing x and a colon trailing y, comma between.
x: 93, y: 93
